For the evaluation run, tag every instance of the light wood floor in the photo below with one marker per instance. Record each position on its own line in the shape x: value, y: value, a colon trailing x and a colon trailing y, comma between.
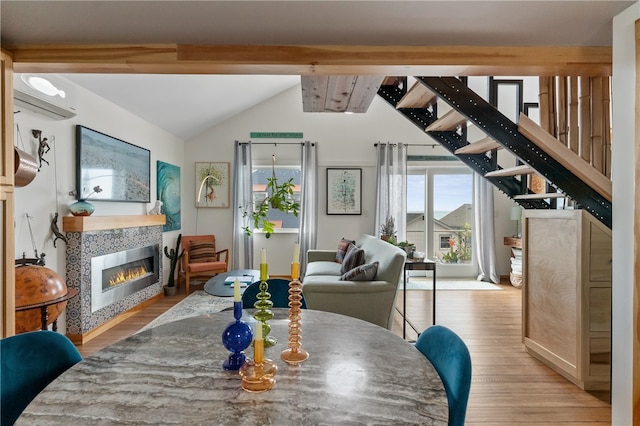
x: 509, y: 387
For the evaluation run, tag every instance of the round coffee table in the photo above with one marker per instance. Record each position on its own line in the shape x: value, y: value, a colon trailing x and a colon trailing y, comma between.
x: 217, y: 287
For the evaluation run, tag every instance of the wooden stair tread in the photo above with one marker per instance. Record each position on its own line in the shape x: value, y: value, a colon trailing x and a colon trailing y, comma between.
x: 479, y: 147
x: 522, y: 169
x: 418, y: 96
x: 449, y: 121
x: 539, y: 196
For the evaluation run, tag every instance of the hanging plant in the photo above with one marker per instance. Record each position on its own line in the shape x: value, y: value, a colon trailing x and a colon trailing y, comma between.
x: 279, y: 197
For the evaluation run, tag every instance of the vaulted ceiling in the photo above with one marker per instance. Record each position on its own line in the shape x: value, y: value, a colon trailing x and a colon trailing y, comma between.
x: 198, y: 102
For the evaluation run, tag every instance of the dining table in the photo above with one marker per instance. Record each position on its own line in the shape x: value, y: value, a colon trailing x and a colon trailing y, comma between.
x: 356, y: 373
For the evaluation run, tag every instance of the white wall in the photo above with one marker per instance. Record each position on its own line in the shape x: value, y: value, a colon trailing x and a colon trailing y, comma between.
x: 344, y: 140
x: 623, y: 164
x: 49, y: 191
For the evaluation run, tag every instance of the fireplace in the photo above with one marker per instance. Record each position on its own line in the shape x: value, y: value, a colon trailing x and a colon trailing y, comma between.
x: 96, y: 244
x: 115, y: 276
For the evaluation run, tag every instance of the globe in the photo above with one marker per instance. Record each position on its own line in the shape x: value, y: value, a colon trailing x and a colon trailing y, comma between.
x: 37, y: 285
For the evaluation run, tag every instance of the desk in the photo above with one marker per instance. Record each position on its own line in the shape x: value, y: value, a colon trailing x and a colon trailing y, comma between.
x: 357, y: 373
x: 412, y: 265
x: 216, y: 286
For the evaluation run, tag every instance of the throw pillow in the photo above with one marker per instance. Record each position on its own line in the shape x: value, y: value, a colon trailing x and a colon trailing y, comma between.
x: 343, y: 245
x: 202, y: 251
x: 353, y: 258
x: 361, y: 273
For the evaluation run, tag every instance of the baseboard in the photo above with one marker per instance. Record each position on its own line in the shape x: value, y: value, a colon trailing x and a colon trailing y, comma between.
x: 81, y: 339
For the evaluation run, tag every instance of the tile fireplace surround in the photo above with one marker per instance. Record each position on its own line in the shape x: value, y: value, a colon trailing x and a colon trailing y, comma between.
x: 90, y: 236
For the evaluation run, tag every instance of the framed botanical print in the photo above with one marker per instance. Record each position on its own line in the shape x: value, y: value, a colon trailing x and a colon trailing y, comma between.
x: 344, y: 191
x: 212, y: 184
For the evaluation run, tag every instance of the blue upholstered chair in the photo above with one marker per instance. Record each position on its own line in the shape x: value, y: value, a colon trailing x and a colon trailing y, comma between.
x: 450, y: 357
x: 279, y: 290
x: 28, y: 363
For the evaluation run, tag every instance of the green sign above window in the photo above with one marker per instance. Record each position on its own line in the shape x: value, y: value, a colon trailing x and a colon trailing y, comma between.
x: 276, y: 135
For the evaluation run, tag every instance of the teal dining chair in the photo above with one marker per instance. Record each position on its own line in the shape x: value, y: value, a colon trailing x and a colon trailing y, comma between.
x: 450, y: 356
x: 279, y: 290
x: 28, y: 363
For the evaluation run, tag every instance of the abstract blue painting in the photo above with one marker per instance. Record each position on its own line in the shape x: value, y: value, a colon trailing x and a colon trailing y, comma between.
x: 169, y: 194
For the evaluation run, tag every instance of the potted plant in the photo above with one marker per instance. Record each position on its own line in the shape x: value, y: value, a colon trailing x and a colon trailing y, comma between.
x: 388, y: 230
x: 170, y: 288
x: 279, y: 196
x: 408, y: 247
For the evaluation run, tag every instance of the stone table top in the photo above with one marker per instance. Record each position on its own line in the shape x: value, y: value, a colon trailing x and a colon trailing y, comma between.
x: 357, y: 373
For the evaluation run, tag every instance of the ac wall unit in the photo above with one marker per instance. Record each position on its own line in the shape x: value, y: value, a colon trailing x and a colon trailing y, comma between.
x: 57, y: 104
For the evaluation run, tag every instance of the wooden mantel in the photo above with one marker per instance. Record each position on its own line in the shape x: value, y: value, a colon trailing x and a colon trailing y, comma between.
x: 100, y: 223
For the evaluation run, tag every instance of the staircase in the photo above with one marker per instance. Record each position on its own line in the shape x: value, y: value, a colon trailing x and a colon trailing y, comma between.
x: 536, y: 151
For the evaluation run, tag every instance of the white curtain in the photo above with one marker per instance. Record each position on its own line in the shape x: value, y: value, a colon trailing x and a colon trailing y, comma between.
x: 242, y: 254
x: 391, y: 184
x: 308, y: 231
x: 484, y: 243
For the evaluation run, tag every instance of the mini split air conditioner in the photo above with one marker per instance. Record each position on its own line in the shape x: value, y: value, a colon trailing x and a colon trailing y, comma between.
x: 57, y: 103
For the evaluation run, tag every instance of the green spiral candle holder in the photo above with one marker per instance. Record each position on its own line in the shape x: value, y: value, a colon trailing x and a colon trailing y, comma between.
x: 263, y: 306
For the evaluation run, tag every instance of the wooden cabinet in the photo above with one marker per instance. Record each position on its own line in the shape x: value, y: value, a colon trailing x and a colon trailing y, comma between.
x: 566, y: 305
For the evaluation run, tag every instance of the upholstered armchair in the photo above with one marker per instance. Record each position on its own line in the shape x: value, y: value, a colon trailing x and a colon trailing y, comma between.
x: 201, y: 259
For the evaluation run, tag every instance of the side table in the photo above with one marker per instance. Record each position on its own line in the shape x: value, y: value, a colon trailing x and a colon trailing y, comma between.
x: 217, y: 287
x: 411, y: 265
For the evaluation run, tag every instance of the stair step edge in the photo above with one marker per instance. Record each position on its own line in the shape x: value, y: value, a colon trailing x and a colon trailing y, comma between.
x: 449, y: 121
x: 479, y: 147
x: 513, y: 171
x: 539, y: 196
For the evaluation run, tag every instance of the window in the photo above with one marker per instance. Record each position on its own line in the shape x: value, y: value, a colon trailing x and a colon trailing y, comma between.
x: 260, y: 178
x: 444, y: 241
x: 440, y: 213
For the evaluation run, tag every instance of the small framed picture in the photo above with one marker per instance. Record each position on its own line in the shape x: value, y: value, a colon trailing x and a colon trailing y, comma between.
x: 344, y: 191
x: 212, y: 184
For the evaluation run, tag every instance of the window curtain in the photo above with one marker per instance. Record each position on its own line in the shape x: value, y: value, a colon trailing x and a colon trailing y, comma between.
x: 484, y: 243
x: 242, y: 254
x: 308, y: 231
x: 391, y: 184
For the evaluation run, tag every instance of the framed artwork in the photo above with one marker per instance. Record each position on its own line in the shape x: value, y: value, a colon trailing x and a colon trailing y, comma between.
x: 212, y: 184
x: 344, y: 191
x: 122, y: 170
x: 169, y: 193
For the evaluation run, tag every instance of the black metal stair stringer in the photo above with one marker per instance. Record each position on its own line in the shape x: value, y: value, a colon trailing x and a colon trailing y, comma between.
x: 451, y: 141
x: 421, y: 117
x: 506, y: 133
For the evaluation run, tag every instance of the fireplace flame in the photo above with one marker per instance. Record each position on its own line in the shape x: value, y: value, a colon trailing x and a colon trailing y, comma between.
x: 127, y: 275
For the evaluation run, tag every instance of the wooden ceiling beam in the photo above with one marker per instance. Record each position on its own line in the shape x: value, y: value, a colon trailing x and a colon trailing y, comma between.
x: 313, y: 60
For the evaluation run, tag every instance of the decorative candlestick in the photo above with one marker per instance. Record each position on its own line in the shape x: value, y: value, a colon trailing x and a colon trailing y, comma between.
x: 236, y: 338
x: 264, y: 303
x: 258, y: 374
x: 294, y: 354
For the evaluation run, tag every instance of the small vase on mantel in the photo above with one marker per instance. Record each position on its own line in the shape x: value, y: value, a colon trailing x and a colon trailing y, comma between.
x: 82, y: 208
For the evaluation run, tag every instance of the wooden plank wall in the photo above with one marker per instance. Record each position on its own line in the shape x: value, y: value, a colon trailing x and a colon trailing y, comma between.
x: 577, y: 111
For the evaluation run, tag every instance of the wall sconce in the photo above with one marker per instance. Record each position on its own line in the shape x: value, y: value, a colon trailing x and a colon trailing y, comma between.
x: 516, y: 215
x: 198, y: 200
x: 202, y: 186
